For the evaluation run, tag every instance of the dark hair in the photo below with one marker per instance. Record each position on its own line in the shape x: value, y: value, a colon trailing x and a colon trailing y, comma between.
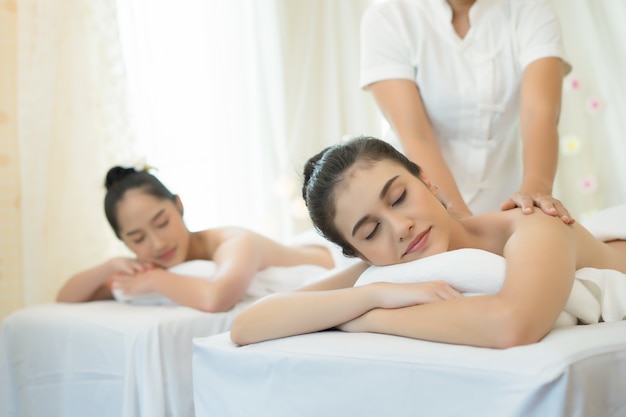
x: 119, y: 180
x: 324, y: 171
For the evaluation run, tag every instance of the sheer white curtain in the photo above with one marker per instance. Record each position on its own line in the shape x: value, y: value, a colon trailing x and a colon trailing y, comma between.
x: 592, y: 173
x: 71, y: 124
x: 229, y: 98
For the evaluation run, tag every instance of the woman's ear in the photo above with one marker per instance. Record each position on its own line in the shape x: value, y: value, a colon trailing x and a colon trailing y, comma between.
x: 179, y: 204
x: 434, y: 188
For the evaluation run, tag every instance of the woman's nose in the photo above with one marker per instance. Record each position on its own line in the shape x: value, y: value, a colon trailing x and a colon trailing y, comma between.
x: 401, y: 227
x: 157, y: 241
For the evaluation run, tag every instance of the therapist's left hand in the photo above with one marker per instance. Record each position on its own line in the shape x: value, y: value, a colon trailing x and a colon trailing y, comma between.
x: 548, y: 204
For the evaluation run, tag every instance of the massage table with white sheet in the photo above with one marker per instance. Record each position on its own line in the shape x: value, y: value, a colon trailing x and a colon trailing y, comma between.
x: 117, y: 359
x: 575, y: 371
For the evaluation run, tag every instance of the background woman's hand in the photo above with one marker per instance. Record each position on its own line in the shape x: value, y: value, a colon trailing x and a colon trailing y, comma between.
x: 137, y: 283
x: 548, y: 204
x: 128, y: 266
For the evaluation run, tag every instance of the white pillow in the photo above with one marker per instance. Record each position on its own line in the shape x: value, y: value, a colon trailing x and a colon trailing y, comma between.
x: 196, y: 268
x: 473, y: 271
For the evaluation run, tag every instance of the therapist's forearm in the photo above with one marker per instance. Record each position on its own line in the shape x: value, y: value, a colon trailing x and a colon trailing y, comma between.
x: 540, y: 155
x: 539, y: 117
x: 401, y: 104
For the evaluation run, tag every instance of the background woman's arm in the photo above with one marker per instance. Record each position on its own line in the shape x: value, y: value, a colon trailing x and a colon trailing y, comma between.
x: 93, y: 284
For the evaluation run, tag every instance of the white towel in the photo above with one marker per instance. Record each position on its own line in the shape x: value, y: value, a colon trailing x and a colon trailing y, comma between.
x: 265, y: 282
x: 197, y: 268
x: 597, y: 294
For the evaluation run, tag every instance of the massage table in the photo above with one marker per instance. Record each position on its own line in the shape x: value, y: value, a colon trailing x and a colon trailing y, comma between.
x: 113, y: 358
x: 577, y: 370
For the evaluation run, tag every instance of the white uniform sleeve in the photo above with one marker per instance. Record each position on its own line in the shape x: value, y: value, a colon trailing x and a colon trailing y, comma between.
x: 538, y: 32
x: 385, y: 54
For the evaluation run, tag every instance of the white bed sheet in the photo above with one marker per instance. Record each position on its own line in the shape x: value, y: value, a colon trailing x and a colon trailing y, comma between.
x: 117, y: 359
x: 575, y: 371
x: 101, y: 359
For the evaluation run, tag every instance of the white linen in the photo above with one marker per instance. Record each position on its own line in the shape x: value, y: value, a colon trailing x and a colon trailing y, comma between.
x: 115, y: 359
x: 196, y: 268
x: 575, y: 371
x: 101, y: 358
x: 597, y: 294
x: 265, y: 282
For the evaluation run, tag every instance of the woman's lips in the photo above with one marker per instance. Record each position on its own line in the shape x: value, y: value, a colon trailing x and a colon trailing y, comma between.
x: 418, y: 242
x: 166, y: 256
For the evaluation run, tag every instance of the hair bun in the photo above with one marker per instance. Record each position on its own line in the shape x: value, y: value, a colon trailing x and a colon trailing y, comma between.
x: 116, y: 174
x: 309, y: 171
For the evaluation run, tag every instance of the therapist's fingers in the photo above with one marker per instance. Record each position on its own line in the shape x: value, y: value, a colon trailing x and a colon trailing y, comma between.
x: 554, y: 207
x: 548, y: 204
x: 521, y: 200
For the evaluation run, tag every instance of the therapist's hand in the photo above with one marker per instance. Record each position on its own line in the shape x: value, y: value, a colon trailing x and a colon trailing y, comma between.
x: 548, y: 204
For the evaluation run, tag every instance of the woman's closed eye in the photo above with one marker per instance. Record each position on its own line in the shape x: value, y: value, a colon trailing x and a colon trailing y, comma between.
x: 139, y: 239
x: 163, y: 224
x: 373, y: 232
x: 400, y: 199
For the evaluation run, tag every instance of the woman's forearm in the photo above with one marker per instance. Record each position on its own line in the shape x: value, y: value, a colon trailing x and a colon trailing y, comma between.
x: 484, y: 321
x: 288, y: 314
x: 88, y: 285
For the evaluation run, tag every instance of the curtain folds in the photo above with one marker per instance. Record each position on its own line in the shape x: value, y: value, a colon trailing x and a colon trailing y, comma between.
x: 230, y: 97
x: 70, y: 124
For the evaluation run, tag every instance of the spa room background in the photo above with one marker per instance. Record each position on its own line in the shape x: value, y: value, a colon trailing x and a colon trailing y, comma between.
x: 227, y: 99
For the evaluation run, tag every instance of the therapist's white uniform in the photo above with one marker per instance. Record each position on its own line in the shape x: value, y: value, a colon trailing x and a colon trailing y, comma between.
x: 470, y: 87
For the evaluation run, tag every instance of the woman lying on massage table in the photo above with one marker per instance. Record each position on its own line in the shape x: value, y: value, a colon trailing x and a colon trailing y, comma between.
x: 378, y: 206
x: 148, y: 218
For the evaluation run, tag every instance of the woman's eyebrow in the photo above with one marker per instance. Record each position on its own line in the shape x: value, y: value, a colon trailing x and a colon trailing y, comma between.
x: 383, y: 193
x: 156, y: 216
x: 385, y: 188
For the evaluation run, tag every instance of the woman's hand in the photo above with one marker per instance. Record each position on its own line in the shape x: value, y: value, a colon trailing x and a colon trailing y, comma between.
x: 128, y: 266
x: 391, y: 295
x: 548, y: 204
x: 136, y: 283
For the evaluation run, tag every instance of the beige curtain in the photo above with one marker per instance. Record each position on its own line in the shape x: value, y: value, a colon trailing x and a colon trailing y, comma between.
x: 63, y: 123
x: 11, y: 285
x: 64, y: 118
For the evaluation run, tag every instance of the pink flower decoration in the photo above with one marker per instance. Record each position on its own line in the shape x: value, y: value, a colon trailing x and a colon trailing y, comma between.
x: 574, y: 84
x: 588, y: 185
x: 594, y: 105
